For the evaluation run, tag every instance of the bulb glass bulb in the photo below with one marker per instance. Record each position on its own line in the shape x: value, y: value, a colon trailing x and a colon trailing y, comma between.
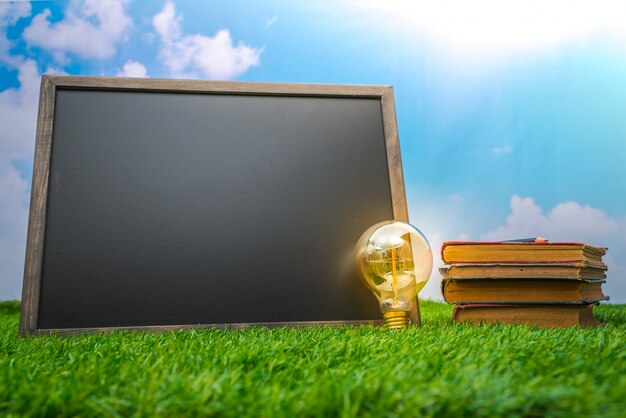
x: 394, y: 261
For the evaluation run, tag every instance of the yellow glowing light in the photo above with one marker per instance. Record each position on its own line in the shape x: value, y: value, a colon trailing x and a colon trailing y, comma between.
x: 394, y: 261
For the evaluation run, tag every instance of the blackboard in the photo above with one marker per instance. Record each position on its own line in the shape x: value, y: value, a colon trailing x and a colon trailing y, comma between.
x: 161, y: 204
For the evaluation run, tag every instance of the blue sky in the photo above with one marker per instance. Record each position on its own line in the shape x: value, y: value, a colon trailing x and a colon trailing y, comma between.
x: 510, y: 113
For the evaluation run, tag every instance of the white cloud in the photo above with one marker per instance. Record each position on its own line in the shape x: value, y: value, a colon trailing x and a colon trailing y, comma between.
x: 90, y: 29
x: 566, y: 222
x: 18, y: 113
x: 271, y: 21
x: 191, y: 56
x: 10, y: 13
x: 13, y: 221
x: 502, y: 150
x: 571, y: 221
x: 133, y: 69
x: 455, y: 197
x: 167, y: 24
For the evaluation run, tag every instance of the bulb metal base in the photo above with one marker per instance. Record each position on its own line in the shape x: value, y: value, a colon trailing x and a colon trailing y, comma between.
x: 396, y: 319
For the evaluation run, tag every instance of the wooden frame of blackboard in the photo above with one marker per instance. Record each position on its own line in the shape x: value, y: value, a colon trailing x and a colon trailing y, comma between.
x: 41, y: 173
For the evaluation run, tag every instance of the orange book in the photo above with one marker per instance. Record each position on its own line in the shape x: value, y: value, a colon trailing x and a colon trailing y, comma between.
x: 516, y: 291
x: 578, y: 271
x: 459, y: 252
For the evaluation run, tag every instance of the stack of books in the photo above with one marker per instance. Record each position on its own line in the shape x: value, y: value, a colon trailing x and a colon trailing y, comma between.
x: 531, y: 281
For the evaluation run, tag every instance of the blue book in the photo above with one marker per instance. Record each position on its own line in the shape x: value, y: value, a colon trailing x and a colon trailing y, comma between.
x: 534, y: 239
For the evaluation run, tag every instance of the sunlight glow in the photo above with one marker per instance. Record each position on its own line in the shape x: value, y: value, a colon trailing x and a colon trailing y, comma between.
x: 498, y: 26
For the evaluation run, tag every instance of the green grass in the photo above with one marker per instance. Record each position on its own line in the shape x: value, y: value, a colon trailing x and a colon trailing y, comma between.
x: 439, y: 369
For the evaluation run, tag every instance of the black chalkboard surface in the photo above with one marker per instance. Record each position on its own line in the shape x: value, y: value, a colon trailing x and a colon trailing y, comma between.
x: 163, y: 204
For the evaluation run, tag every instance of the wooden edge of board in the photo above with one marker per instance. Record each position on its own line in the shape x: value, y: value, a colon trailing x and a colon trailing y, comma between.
x: 218, y: 87
x: 37, y: 214
x: 396, y: 175
x: 394, y: 157
x: 162, y: 328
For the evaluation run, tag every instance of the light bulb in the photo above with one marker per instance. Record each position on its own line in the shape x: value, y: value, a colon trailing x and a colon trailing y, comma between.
x: 394, y: 261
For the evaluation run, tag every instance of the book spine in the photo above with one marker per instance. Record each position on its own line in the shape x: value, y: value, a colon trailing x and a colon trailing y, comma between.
x: 443, y: 285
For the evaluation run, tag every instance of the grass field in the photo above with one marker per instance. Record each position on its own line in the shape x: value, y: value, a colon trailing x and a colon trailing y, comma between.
x: 439, y: 369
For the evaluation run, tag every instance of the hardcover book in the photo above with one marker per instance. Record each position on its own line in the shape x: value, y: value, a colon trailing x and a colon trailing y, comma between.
x: 516, y: 291
x: 523, y: 270
x: 547, y: 316
x: 453, y: 252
